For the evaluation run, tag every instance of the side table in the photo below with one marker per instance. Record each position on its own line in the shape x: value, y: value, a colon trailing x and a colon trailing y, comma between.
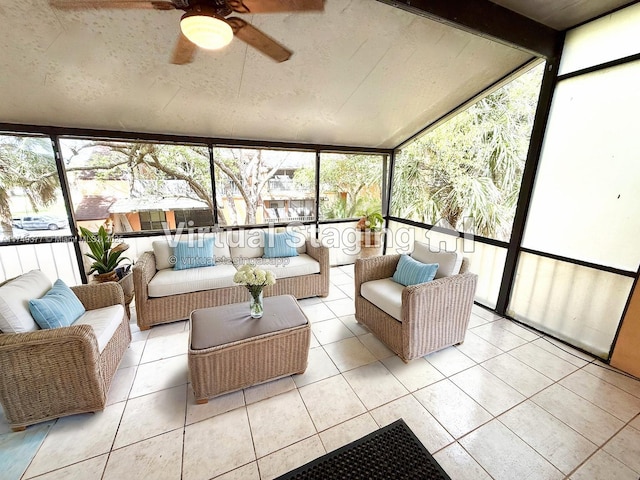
x: 126, y: 283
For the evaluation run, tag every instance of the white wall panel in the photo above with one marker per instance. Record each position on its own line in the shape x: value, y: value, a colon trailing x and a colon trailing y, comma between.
x: 586, y: 200
x: 608, y: 38
x: 580, y: 305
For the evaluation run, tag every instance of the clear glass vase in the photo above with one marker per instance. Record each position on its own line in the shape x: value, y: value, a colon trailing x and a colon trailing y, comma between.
x: 256, y: 307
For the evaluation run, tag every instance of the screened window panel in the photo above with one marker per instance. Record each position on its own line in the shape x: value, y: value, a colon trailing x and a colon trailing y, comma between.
x: 580, y: 305
x: 350, y: 185
x: 135, y: 186
x: 608, y: 38
x: 400, y: 239
x: 258, y: 186
x: 31, y: 201
x: 465, y: 174
x: 586, y: 200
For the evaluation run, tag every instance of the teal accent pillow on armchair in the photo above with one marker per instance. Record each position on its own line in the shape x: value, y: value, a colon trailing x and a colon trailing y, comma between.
x: 58, y: 308
x: 412, y: 272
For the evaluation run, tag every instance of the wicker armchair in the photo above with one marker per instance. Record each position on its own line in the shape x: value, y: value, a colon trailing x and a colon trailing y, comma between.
x: 52, y: 373
x: 434, y: 315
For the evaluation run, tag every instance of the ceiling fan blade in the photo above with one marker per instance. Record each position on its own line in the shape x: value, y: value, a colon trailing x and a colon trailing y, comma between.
x: 258, y: 40
x: 87, y: 4
x: 272, y: 6
x: 184, y: 52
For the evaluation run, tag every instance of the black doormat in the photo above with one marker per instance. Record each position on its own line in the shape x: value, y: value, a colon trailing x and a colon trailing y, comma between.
x: 391, y: 453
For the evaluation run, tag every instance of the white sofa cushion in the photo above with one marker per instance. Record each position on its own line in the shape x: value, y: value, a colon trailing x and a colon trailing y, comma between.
x: 290, y: 266
x: 174, y: 282
x: 104, y: 321
x: 163, y: 253
x: 245, y: 244
x: 163, y: 249
x: 449, y: 262
x: 15, y: 316
x: 384, y: 294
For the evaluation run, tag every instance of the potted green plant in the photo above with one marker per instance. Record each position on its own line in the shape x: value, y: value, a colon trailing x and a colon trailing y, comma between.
x: 105, y: 255
x: 370, y: 224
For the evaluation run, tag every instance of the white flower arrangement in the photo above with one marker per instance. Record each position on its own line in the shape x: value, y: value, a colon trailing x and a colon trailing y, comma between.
x: 254, y: 278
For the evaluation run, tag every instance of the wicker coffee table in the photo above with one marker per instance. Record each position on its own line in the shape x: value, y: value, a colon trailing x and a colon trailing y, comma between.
x: 229, y: 350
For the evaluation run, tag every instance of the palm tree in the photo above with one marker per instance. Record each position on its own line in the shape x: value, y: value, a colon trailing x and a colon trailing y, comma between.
x: 472, y: 165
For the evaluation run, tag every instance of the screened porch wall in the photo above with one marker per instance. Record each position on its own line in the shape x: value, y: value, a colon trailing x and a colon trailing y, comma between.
x: 581, y: 251
x: 57, y: 260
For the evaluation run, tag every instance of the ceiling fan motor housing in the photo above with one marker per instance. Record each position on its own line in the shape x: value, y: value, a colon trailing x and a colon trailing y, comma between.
x: 219, y: 8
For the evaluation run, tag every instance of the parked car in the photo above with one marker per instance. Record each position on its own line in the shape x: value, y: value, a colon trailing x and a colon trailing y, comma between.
x: 40, y: 222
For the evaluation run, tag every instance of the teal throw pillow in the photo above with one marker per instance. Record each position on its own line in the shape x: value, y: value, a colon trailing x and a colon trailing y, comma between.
x: 277, y: 245
x: 194, y: 253
x: 412, y: 272
x: 59, y: 307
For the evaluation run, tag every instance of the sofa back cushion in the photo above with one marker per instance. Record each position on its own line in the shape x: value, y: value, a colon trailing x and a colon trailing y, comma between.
x: 245, y: 244
x: 163, y: 253
x: 15, y: 316
x: 164, y: 249
x: 59, y: 307
x: 449, y: 262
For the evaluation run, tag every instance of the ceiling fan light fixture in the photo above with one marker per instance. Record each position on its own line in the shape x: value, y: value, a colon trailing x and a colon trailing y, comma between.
x: 206, y: 29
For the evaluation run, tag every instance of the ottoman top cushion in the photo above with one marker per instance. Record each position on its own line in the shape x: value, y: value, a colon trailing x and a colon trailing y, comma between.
x: 216, y: 326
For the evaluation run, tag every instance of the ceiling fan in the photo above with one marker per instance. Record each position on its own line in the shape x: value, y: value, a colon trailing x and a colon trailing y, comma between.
x: 206, y: 23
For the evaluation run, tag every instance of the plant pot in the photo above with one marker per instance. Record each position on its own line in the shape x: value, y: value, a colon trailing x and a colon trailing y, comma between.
x: 370, y: 238
x: 370, y: 244
x: 106, y: 277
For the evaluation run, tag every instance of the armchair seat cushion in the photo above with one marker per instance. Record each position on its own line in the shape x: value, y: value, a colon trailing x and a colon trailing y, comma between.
x: 290, y: 266
x: 384, y: 294
x: 175, y: 282
x: 104, y: 322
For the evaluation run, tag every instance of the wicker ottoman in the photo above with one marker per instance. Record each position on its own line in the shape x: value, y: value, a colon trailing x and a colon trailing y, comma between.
x: 229, y: 350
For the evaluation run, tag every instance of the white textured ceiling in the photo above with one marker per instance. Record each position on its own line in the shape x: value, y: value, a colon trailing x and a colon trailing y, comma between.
x: 363, y: 74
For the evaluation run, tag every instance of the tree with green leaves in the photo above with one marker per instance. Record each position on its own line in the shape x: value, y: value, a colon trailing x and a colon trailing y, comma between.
x: 26, y: 164
x: 470, y: 166
x: 247, y: 171
x: 149, y: 166
x: 352, y: 180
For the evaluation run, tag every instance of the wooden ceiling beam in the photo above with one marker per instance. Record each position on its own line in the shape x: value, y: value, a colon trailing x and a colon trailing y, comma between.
x: 487, y: 19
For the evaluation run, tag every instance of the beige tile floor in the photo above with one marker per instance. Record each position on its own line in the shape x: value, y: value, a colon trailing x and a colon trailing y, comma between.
x: 507, y: 404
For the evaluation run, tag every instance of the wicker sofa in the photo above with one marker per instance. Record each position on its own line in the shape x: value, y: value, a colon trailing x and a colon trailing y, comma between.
x: 420, y: 319
x: 305, y: 275
x: 50, y: 373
